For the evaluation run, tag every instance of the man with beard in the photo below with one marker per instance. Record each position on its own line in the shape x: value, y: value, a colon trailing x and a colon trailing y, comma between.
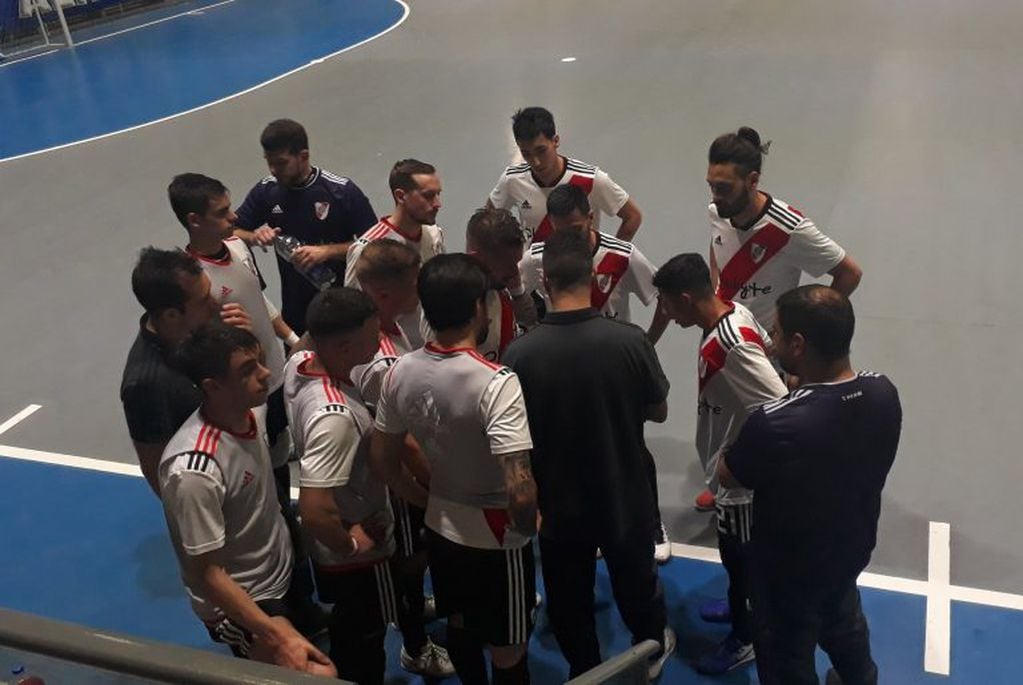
x: 415, y: 187
x: 760, y: 245
x: 322, y: 209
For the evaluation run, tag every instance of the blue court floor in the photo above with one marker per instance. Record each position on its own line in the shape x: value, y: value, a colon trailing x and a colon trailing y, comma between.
x: 208, y: 51
x: 91, y: 547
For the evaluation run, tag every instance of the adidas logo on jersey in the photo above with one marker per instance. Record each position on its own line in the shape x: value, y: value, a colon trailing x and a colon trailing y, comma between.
x: 526, y: 205
x: 718, y: 241
x: 277, y: 210
x: 247, y: 478
x: 225, y: 291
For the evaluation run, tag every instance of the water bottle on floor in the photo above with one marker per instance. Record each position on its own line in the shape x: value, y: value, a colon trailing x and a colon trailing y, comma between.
x: 320, y: 275
x: 19, y: 676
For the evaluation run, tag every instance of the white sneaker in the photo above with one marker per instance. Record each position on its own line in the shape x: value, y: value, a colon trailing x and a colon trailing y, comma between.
x: 433, y: 661
x: 657, y: 663
x: 662, y: 547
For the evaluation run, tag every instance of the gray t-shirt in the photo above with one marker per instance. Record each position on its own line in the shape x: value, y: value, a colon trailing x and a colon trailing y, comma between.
x: 218, y: 493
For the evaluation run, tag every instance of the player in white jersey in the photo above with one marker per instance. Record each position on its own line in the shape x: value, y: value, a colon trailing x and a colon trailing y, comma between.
x: 344, y: 506
x: 469, y: 416
x: 735, y: 378
x: 493, y: 236
x: 225, y: 523
x: 526, y: 186
x: 388, y: 271
x: 203, y: 206
x: 760, y: 245
x: 619, y: 268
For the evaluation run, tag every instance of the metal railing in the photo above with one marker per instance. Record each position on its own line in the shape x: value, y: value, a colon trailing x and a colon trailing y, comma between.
x: 138, y: 658
x: 628, y: 668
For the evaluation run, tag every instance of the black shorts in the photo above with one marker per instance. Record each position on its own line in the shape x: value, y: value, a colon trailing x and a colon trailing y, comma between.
x: 295, y: 606
x: 493, y: 589
x: 366, y: 592
x: 408, y: 527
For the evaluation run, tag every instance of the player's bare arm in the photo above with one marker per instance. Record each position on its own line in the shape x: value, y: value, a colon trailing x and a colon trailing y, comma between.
x: 261, y: 237
x: 385, y: 451
x: 846, y: 276
x: 631, y: 217
x: 321, y: 517
x: 658, y: 325
x: 149, y: 455
x: 715, y: 272
x: 281, y: 644
x: 518, y: 481
x: 658, y: 413
x: 310, y: 255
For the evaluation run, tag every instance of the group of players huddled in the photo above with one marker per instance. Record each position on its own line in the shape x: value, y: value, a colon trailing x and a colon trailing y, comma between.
x: 419, y: 450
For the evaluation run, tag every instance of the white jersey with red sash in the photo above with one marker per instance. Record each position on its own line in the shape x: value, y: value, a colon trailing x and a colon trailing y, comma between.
x: 518, y: 188
x: 619, y: 269
x: 736, y: 377
x: 502, y: 327
x: 759, y: 264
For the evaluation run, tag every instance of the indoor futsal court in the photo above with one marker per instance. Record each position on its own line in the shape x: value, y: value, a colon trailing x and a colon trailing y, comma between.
x: 895, y: 126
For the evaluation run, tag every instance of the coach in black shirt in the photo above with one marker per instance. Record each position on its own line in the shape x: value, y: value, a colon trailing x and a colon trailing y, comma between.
x: 157, y: 399
x: 590, y: 383
x: 832, y: 441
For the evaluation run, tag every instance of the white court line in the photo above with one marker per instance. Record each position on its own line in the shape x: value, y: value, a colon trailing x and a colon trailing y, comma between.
x: 222, y: 100
x: 938, y: 634
x: 25, y: 59
x: 152, y: 23
x: 19, y: 417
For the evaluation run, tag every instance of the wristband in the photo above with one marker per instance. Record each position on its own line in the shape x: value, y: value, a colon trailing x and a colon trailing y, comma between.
x: 292, y: 339
x: 355, y: 546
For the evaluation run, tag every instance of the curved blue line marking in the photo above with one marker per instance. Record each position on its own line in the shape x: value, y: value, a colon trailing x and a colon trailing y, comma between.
x: 172, y: 67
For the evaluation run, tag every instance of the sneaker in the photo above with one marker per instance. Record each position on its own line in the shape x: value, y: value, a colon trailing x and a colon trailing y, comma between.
x: 662, y: 547
x: 705, y: 501
x: 433, y: 661
x: 429, y: 608
x: 731, y: 653
x: 716, y: 611
x: 668, y: 648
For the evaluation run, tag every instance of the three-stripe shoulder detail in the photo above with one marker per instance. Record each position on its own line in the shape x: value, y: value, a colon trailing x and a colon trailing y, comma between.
x: 583, y: 167
x: 334, y: 178
x: 536, y: 250
x: 195, y: 460
x: 616, y: 245
x: 334, y: 408
x: 783, y: 216
x: 516, y: 169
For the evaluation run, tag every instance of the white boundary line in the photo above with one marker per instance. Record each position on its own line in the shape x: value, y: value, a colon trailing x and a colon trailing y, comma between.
x: 222, y: 100
x: 938, y: 635
x: 153, y: 23
x: 19, y: 417
x: 25, y: 59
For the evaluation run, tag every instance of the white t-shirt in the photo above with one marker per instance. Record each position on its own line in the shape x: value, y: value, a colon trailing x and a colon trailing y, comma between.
x: 465, y: 412
x: 369, y: 378
x: 218, y: 493
x: 517, y: 188
x: 759, y: 264
x: 735, y: 378
x: 331, y: 427
x: 235, y: 278
x: 619, y: 270
x: 430, y: 244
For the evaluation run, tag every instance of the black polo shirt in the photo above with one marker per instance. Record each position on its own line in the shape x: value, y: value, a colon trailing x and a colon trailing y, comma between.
x: 156, y: 398
x: 326, y: 209
x: 588, y: 381
x: 818, y: 460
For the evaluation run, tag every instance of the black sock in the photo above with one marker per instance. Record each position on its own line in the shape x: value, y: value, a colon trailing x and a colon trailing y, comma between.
x: 466, y: 653
x: 516, y: 675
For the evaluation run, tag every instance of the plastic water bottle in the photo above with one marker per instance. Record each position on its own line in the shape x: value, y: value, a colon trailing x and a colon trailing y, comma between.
x: 21, y: 677
x: 320, y: 275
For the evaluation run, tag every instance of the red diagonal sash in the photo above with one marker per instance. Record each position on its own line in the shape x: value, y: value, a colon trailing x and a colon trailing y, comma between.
x: 543, y: 231
x: 712, y: 360
x: 609, y: 271
x: 743, y: 264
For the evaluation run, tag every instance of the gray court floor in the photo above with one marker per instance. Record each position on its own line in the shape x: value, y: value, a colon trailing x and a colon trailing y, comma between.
x: 895, y: 126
